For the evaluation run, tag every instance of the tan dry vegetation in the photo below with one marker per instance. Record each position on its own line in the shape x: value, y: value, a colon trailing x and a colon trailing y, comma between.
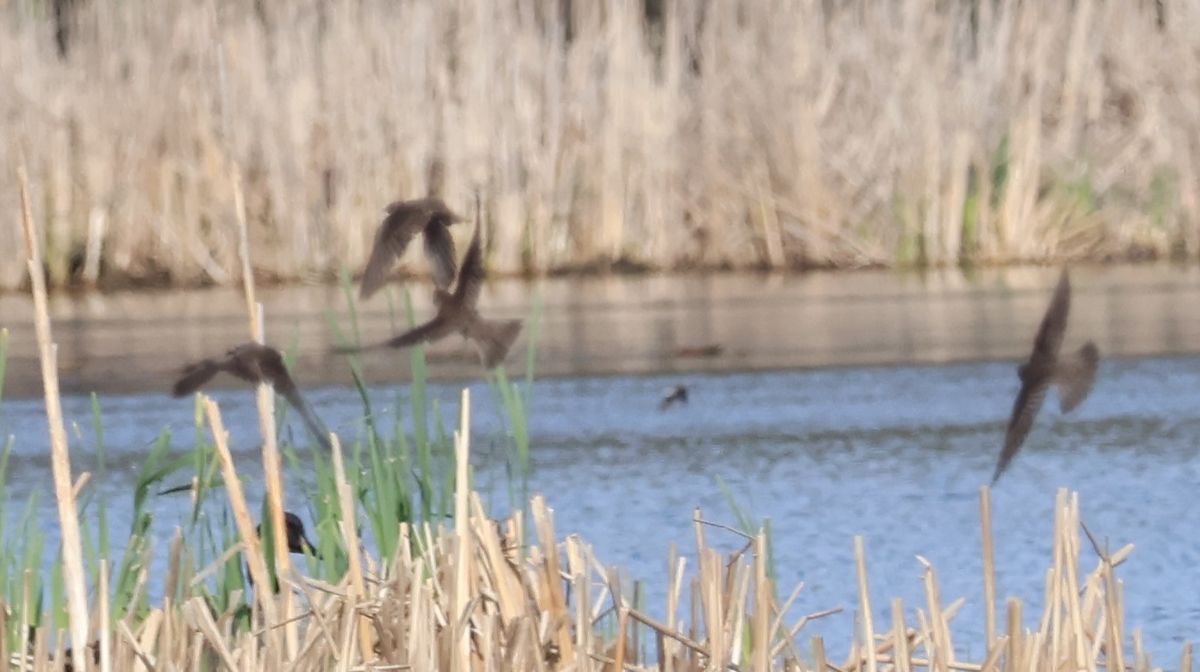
x: 742, y: 133
x: 472, y: 597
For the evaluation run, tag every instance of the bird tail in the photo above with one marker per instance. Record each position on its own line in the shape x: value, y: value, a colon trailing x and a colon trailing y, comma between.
x: 996, y: 474
x: 194, y: 377
x: 1075, y: 375
x: 311, y: 420
x: 494, y: 338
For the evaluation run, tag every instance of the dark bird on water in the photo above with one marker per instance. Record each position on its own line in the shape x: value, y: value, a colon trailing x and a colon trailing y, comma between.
x: 677, y: 394
x: 1073, y: 375
x: 253, y: 363
x: 456, y: 313
x: 405, y: 219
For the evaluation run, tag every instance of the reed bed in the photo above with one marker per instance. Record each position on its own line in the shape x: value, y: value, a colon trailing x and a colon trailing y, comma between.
x: 665, y: 134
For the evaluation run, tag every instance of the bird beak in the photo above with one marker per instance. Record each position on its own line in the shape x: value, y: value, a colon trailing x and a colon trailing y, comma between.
x: 308, y: 548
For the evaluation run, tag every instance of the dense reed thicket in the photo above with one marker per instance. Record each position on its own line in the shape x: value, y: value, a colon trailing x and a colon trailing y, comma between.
x: 670, y: 134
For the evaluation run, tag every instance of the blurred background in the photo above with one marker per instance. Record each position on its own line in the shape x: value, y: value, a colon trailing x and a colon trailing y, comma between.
x: 604, y: 135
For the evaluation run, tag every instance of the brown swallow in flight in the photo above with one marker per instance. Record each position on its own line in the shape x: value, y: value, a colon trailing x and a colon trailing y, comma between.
x: 456, y: 313
x: 677, y: 394
x: 1073, y: 375
x: 405, y: 219
x: 253, y: 363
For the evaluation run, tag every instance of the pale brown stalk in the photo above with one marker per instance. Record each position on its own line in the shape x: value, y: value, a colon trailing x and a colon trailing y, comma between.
x: 245, y: 525
x: 265, y: 401
x: 60, y: 455
x: 989, y: 566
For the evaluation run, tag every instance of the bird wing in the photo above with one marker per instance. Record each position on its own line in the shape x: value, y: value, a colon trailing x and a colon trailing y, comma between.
x: 275, y: 372
x: 470, y: 274
x: 668, y: 400
x: 493, y: 338
x: 1054, y: 324
x: 195, y: 376
x: 404, y: 220
x: 310, y: 417
x: 1075, y: 375
x: 1025, y: 409
x: 439, y: 248
x: 432, y: 330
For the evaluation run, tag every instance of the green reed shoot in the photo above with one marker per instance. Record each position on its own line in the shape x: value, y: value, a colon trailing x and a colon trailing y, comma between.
x: 515, y: 402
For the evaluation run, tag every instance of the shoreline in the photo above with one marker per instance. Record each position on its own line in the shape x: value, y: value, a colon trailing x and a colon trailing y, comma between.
x: 133, y: 342
x: 611, y: 270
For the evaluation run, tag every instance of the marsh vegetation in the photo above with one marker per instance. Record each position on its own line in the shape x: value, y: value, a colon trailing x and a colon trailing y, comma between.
x: 620, y: 135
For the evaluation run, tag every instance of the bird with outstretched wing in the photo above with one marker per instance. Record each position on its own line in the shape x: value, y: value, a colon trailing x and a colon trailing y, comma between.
x: 457, y: 313
x: 254, y: 363
x: 1073, y: 375
x: 403, y: 221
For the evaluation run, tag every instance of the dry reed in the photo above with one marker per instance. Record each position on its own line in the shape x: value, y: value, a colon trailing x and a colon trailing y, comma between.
x: 710, y: 134
x: 60, y: 454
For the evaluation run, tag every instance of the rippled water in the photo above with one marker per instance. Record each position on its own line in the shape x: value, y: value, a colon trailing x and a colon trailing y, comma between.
x: 896, y: 453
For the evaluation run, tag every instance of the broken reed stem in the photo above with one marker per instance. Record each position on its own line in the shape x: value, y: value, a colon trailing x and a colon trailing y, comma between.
x: 460, y: 653
x: 358, y: 589
x: 245, y: 524
x: 105, y: 628
x: 864, y: 602
x: 239, y: 206
x: 989, y: 567
x: 265, y: 400
x: 60, y: 457
x: 670, y: 633
x: 763, y: 599
x: 818, y: 654
x: 264, y: 396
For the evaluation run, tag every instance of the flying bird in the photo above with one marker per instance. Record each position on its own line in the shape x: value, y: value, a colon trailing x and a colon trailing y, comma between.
x: 456, y: 313
x: 405, y: 219
x: 1072, y: 375
x: 677, y: 394
x: 253, y: 363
